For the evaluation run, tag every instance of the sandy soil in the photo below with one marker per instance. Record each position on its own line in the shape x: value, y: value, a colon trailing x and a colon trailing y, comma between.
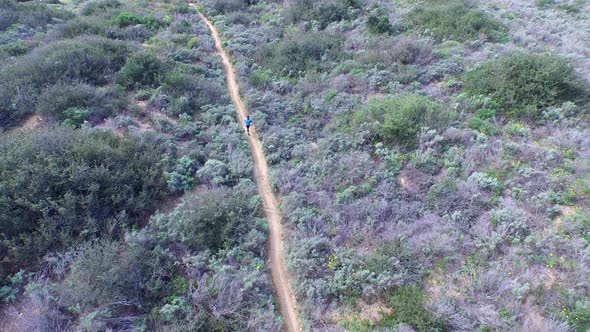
x: 31, y: 122
x: 279, y: 273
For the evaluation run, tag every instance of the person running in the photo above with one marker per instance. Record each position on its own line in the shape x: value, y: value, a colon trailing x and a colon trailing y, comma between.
x: 248, y: 122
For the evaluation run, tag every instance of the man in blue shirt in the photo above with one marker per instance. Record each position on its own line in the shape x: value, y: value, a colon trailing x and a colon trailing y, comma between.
x: 248, y: 122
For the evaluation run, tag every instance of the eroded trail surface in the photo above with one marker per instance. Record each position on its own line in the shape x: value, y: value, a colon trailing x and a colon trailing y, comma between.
x: 278, y: 266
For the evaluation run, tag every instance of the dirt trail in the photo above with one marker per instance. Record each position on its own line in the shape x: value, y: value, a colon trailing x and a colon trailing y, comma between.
x: 278, y: 266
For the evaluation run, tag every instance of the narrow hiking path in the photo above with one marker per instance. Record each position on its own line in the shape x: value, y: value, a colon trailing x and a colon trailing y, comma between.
x: 278, y: 268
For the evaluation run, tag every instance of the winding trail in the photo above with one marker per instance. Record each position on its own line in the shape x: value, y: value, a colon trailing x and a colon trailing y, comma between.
x: 278, y: 267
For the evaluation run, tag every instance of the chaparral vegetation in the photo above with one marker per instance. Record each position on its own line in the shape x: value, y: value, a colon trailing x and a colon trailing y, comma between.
x: 431, y: 159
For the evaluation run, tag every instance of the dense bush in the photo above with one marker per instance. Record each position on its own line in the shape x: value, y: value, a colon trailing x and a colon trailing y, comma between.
x: 13, y: 49
x: 126, y: 19
x: 97, y: 6
x: 239, y: 18
x: 182, y: 177
x: 30, y: 14
x: 378, y: 22
x: 455, y: 20
x: 407, y: 304
x: 523, y: 83
x: 59, y: 186
x: 138, y: 33
x: 383, y: 52
x: 324, y: 12
x: 56, y: 100
x: 209, y: 220
x: 185, y: 90
x: 141, y: 70
x: 90, y: 60
x: 400, y: 117
x: 300, y: 10
x: 82, y: 26
x: 227, y: 6
x: 294, y: 56
x: 115, y: 276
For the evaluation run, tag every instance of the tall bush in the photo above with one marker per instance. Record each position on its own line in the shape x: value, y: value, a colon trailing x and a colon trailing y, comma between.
x: 211, y: 220
x: 399, y: 118
x: 298, y: 54
x: 143, y: 69
x: 60, y: 186
x: 55, y: 100
x: 524, y: 83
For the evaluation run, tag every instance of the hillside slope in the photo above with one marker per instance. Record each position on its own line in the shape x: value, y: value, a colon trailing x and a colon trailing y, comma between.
x: 431, y: 163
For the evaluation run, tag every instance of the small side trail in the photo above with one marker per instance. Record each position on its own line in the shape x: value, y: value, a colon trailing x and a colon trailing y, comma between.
x: 278, y: 267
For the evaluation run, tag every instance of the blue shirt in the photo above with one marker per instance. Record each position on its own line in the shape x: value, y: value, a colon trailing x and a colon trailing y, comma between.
x: 248, y: 121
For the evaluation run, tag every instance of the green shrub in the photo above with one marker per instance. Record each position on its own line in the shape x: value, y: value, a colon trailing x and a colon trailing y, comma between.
x: 400, y: 117
x: 125, y: 19
x: 379, y: 23
x: 260, y: 79
x: 481, y: 121
x: 82, y: 26
x: 31, y: 14
x: 447, y: 48
x: 455, y: 20
x: 141, y: 70
x: 92, y: 60
x: 300, y: 10
x: 96, y: 6
x: 578, y: 315
x: 481, y: 125
x: 296, y: 55
x: 407, y: 304
x: 227, y: 6
x: 522, y: 83
x: 13, y: 287
x: 182, y: 178
x: 61, y: 100
x: 389, y: 53
x: 76, y: 116
x: 184, y: 90
x: 331, y: 11
x: 323, y: 12
x: 212, y: 220
x: 60, y: 186
x: 14, y: 49
x: 571, y: 8
x: 105, y: 273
